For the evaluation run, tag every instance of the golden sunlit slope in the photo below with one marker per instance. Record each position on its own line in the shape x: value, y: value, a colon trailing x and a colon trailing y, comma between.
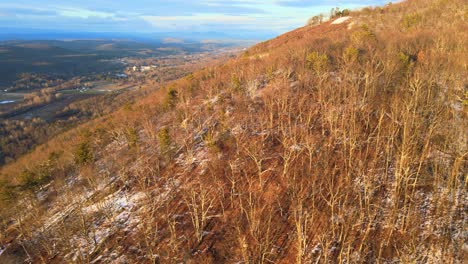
x: 332, y: 143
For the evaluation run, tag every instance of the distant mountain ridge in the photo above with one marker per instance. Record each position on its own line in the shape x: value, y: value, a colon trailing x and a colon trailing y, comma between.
x: 28, y: 34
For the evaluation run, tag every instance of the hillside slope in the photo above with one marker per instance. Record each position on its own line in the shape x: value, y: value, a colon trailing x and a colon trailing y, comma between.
x: 329, y: 144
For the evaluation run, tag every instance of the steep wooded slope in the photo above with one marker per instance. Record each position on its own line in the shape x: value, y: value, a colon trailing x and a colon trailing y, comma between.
x: 333, y: 143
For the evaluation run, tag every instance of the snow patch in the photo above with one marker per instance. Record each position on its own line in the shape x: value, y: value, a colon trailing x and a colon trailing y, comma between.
x: 340, y: 20
x: 2, y: 250
x: 121, y: 216
x: 101, y: 235
x: 317, y: 249
x: 117, y: 201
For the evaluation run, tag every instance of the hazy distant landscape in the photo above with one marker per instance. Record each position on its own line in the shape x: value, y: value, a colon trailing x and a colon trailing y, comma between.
x: 65, y: 59
x: 49, y: 85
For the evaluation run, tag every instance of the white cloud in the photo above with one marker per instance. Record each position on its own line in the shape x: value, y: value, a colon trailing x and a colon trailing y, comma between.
x: 82, y: 13
x: 219, y: 21
x: 171, y: 15
x: 199, y: 18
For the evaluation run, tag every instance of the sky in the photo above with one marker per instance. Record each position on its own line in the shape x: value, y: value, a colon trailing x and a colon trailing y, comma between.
x: 153, y: 16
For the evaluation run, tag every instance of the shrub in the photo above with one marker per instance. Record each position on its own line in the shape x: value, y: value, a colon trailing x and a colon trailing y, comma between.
x: 83, y: 154
x: 2, y: 155
x: 406, y: 62
x: 170, y: 100
x: 350, y: 55
x: 54, y: 156
x: 270, y: 73
x: 164, y: 140
x: 190, y: 77
x: 132, y: 137
x: 128, y: 107
x: 28, y: 179
x: 6, y: 192
x: 44, y: 172
x: 211, y: 142
x: 235, y: 83
x: 317, y: 61
x: 362, y: 35
x: 411, y: 20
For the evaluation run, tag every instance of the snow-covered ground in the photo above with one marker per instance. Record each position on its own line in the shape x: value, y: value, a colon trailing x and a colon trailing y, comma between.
x: 121, y: 216
x: 118, y: 201
x: 341, y: 20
